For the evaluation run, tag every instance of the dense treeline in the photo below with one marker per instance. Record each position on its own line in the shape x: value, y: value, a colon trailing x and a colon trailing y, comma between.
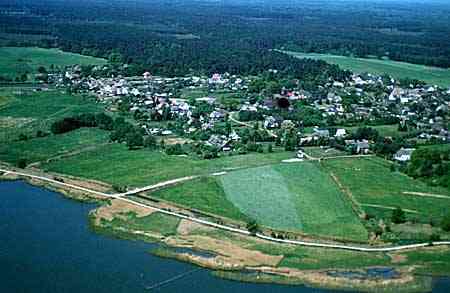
x: 175, y: 38
x: 68, y: 124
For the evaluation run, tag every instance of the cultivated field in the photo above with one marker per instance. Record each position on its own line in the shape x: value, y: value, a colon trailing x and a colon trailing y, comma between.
x: 378, y: 190
x: 432, y: 75
x: 15, y: 61
x: 297, y: 197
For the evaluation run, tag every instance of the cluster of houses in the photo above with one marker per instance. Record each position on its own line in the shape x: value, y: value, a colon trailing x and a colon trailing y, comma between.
x: 364, y: 98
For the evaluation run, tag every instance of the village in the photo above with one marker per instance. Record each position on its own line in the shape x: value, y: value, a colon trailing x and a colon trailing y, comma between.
x: 232, y: 114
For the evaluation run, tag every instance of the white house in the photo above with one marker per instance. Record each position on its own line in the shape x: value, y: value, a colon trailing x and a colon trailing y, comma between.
x: 403, y: 155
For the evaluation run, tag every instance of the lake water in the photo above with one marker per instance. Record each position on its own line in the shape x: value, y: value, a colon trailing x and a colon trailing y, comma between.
x: 46, y: 246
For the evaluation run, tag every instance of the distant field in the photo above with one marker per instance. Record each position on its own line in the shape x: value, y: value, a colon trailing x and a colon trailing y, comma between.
x: 431, y: 75
x: 383, y: 130
x: 14, y: 61
x: 25, y: 111
x: 40, y: 149
x: 296, y: 197
x: 117, y: 165
x: 377, y: 189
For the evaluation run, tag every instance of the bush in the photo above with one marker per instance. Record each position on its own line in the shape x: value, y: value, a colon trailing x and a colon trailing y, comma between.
x: 175, y: 149
x: 22, y: 163
x: 445, y: 225
x: 253, y: 227
x: 398, y: 216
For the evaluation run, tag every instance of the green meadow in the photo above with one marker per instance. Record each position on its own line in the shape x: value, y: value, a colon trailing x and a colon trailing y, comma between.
x: 115, y: 164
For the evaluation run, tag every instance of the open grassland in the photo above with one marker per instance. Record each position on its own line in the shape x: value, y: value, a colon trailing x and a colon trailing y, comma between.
x: 431, y: 75
x: 40, y: 149
x: 296, y: 197
x: 205, y: 194
x: 24, y: 111
x: 115, y: 164
x: 372, y: 184
x: 15, y: 61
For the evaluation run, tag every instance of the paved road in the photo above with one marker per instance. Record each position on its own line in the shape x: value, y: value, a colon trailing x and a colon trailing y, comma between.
x: 227, y: 228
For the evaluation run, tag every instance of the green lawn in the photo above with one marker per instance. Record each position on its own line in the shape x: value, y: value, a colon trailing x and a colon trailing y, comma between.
x: 40, y: 149
x: 432, y: 75
x: 26, y: 111
x: 296, y: 197
x: 14, y: 61
x: 371, y: 182
x: 205, y: 194
x: 115, y: 164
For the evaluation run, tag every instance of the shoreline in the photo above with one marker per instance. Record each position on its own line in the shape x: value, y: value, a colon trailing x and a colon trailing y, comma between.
x: 262, y: 273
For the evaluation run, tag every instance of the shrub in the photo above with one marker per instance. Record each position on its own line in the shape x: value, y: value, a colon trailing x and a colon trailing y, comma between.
x: 398, y: 216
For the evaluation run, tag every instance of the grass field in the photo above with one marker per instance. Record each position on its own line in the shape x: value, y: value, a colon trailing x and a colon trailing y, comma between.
x: 40, y: 149
x: 318, y: 152
x: 115, y: 164
x: 372, y: 184
x: 205, y: 194
x: 15, y: 61
x: 296, y: 197
x: 26, y: 111
x: 383, y: 130
x: 431, y: 75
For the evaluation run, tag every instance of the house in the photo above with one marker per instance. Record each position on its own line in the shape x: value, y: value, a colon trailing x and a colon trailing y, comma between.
x: 403, y: 155
x: 362, y: 146
x: 271, y: 122
x: 341, y: 132
x: 359, y: 147
x: 321, y: 132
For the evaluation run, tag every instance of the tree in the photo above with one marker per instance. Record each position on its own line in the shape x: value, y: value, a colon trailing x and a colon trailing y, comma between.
x: 270, y: 148
x: 134, y: 140
x: 150, y: 142
x: 445, y: 224
x: 253, y: 227
x: 22, y: 163
x: 398, y: 216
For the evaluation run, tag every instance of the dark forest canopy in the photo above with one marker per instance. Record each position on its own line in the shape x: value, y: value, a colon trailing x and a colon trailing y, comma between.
x: 178, y: 37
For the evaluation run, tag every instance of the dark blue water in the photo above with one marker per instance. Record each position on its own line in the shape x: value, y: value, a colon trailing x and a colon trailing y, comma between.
x: 46, y: 246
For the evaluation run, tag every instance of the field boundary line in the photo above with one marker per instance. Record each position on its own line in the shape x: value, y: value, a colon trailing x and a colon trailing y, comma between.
x: 424, y: 194
x: 388, y: 207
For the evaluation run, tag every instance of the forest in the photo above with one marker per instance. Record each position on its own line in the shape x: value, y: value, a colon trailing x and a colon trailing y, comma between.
x: 179, y: 37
